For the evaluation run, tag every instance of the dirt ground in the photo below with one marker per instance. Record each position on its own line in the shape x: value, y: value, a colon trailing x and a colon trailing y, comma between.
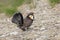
x: 46, y: 25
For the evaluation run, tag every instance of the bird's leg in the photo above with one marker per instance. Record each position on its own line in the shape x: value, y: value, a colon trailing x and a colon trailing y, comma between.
x: 24, y: 28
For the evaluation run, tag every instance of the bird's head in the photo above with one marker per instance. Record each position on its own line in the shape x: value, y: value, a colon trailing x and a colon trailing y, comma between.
x: 30, y: 15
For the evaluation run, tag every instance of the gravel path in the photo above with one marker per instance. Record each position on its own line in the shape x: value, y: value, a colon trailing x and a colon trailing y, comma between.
x: 46, y: 25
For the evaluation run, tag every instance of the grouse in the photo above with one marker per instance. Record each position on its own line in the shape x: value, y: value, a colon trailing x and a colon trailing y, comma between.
x: 23, y: 24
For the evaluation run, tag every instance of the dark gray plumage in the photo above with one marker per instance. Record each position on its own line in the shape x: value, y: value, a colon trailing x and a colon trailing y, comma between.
x: 23, y: 24
x: 27, y: 21
x: 17, y: 19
